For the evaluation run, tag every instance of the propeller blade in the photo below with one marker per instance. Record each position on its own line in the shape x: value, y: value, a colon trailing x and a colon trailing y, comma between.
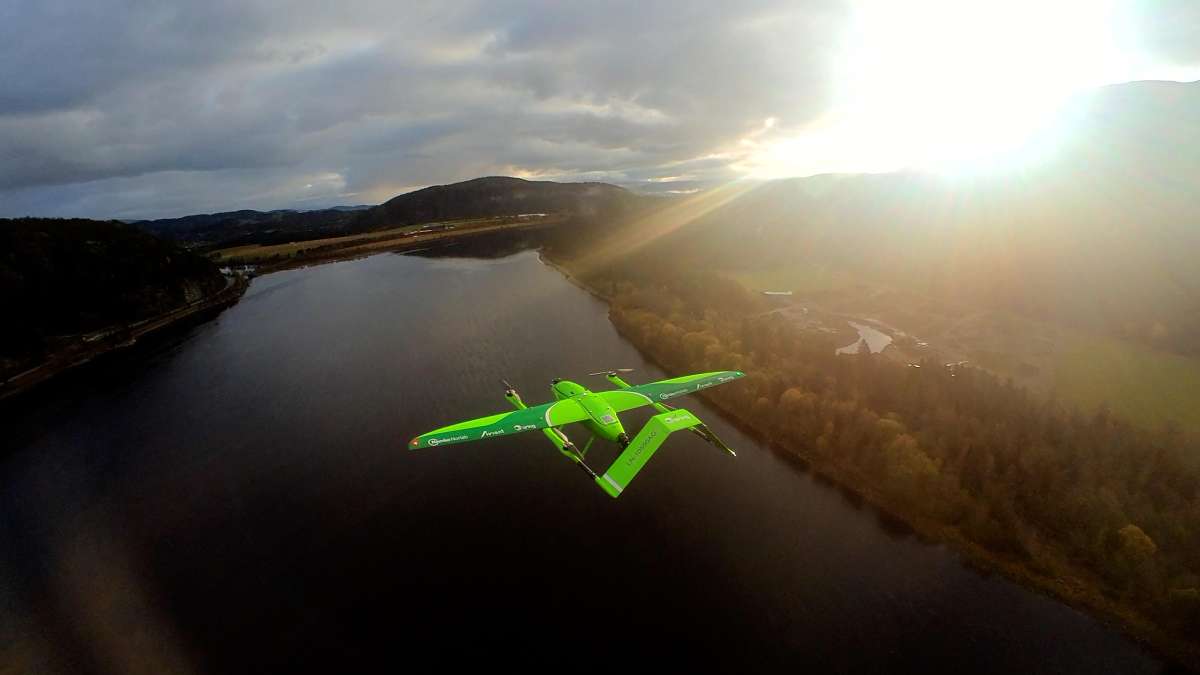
x: 613, y: 371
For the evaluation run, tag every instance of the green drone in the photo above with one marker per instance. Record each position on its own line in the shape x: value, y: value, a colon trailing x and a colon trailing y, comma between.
x: 598, y: 413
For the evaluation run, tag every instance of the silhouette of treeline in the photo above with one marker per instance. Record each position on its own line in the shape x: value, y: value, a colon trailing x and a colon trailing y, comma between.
x: 1063, y: 494
x: 68, y: 276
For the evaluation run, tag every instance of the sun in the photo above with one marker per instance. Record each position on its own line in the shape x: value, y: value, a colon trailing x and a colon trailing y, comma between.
x: 953, y: 85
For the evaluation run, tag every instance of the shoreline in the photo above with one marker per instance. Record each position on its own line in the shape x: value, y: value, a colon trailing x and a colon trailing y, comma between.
x: 68, y: 359
x: 1073, y: 591
x: 396, y: 245
x: 116, y: 338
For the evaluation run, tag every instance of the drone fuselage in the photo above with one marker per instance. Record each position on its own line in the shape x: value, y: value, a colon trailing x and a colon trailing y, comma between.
x: 602, y: 420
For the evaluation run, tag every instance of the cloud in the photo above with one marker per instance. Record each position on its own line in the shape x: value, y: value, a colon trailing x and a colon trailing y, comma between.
x: 135, y: 109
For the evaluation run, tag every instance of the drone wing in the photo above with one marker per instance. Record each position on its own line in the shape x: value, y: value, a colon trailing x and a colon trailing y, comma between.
x: 553, y: 414
x: 664, y: 390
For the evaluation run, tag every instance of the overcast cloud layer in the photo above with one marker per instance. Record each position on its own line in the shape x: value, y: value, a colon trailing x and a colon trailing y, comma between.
x: 163, y: 108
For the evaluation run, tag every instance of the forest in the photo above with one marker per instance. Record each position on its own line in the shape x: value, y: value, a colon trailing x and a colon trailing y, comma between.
x: 1085, y: 505
x: 67, y: 276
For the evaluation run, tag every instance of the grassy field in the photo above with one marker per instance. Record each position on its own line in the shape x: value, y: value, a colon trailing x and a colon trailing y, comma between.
x: 368, y: 242
x: 255, y: 252
x: 1143, y: 385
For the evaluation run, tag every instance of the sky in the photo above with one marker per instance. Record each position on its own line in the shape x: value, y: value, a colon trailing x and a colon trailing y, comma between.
x: 163, y: 108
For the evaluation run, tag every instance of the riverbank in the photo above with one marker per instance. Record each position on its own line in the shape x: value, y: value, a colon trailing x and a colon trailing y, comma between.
x: 1060, y: 579
x: 97, y: 344
x: 320, y: 251
x: 569, y: 276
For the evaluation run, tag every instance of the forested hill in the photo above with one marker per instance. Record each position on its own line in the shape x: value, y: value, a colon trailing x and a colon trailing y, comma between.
x: 503, y: 196
x: 64, y: 277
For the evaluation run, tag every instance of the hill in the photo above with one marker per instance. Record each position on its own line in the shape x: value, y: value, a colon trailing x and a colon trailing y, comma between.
x: 1102, y: 238
x: 66, y: 277
x: 503, y: 196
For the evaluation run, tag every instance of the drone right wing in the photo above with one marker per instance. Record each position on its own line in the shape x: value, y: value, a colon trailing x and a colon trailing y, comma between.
x: 656, y: 392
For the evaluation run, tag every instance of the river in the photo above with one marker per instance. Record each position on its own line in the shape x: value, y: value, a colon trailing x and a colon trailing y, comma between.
x: 876, y: 339
x: 242, y: 501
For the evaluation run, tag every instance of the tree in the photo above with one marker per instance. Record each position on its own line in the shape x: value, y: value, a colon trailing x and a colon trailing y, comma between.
x: 1134, y: 544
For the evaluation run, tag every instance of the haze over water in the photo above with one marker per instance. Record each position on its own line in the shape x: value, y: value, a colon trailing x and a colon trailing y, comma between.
x: 245, y: 502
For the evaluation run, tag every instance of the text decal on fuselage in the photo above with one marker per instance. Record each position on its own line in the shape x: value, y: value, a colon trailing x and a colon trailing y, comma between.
x: 439, y: 441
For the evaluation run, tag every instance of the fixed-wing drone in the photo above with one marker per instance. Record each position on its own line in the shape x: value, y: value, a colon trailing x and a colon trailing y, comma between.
x: 598, y: 413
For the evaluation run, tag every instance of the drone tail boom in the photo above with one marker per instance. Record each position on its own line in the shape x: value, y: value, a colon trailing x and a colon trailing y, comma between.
x: 553, y: 434
x: 642, y: 448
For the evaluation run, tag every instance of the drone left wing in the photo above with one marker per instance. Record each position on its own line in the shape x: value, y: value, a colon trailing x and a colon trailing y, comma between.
x: 554, y: 414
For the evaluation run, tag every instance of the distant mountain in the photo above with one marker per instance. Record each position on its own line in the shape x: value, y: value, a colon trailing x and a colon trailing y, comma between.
x: 247, y: 226
x: 60, y: 277
x: 503, y: 196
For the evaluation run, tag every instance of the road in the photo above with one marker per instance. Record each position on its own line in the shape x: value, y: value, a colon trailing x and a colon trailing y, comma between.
x: 117, y: 336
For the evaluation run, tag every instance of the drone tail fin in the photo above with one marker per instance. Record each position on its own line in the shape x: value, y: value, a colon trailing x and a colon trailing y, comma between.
x: 642, y: 448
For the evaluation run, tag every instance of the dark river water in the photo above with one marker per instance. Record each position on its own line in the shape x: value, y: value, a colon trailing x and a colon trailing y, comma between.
x: 243, y: 501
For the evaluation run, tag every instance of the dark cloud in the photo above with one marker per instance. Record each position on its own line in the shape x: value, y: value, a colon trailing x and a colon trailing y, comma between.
x: 134, y: 109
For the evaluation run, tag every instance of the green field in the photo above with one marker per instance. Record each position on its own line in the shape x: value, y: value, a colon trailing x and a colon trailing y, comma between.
x: 1143, y: 385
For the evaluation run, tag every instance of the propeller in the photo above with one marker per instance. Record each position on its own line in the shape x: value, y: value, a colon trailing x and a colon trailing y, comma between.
x: 507, y: 386
x: 614, y: 371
